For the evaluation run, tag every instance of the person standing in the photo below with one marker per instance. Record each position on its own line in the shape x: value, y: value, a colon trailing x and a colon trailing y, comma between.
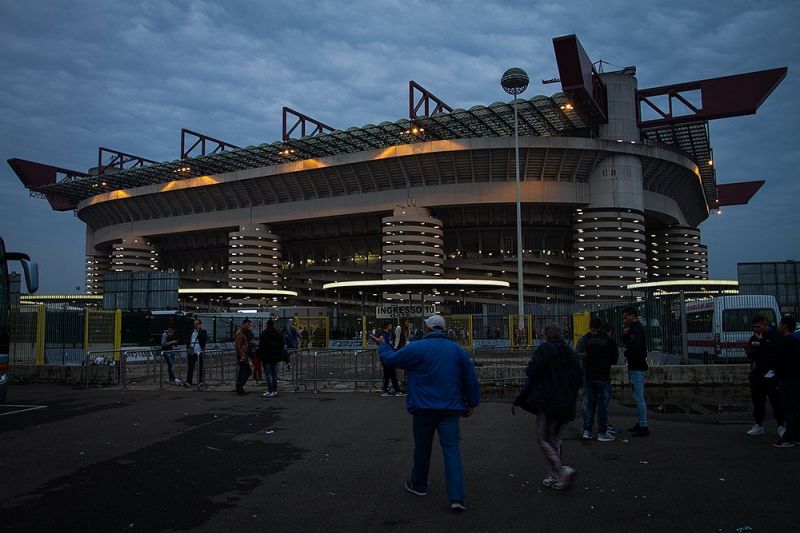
x: 196, y: 347
x: 600, y: 353
x: 241, y: 341
x: 554, y: 378
x: 786, y: 363
x: 168, y: 344
x: 401, y: 339
x: 636, y: 354
x: 271, y: 350
x: 442, y: 388
x: 763, y: 383
x: 389, y: 373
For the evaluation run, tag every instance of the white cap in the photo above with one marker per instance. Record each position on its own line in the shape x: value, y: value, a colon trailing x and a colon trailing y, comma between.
x: 435, y: 322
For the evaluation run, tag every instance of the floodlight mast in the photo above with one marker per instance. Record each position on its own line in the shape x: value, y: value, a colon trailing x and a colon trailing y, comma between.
x: 514, y: 82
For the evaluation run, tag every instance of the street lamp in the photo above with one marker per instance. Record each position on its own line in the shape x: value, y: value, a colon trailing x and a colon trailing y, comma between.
x: 514, y: 82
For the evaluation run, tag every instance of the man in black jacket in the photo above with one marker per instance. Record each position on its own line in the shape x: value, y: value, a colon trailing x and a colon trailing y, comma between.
x: 763, y: 383
x: 600, y: 352
x: 785, y: 361
x: 554, y: 376
x: 636, y: 355
x: 271, y: 350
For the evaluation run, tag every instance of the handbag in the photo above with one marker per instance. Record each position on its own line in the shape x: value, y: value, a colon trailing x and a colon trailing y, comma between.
x: 524, y: 401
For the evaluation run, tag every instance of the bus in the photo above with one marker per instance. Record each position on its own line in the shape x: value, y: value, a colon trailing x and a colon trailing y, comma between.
x: 720, y: 328
x: 31, y: 271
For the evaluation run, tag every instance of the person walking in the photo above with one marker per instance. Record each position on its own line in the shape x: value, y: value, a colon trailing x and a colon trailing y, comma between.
x: 196, y: 347
x: 600, y: 352
x: 763, y: 383
x: 241, y: 341
x: 442, y: 388
x: 636, y: 355
x: 271, y: 350
x: 168, y: 344
x: 785, y: 361
x: 554, y: 378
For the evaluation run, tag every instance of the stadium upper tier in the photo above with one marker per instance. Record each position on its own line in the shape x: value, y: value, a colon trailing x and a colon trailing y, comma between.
x: 540, y: 116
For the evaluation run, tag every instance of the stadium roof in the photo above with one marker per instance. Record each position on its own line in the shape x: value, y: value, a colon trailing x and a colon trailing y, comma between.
x: 539, y: 116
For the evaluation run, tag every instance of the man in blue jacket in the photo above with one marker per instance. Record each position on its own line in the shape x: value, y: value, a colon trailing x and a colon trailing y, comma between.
x: 442, y: 387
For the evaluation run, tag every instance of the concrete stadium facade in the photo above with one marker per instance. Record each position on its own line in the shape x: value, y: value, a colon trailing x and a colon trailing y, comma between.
x: 609, y: 198
x: 590, y: 207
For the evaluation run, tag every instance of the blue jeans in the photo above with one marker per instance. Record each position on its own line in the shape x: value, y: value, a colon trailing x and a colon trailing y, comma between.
x: 637, y: 378
x: 595, y: 398
x: 271, y: 375
x: 169, y: 357
x: 447, y: 423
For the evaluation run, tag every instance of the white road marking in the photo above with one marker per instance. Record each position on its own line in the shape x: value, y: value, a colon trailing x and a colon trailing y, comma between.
x: 22, y: 408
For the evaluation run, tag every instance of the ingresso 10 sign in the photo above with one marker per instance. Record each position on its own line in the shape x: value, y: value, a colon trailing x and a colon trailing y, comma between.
x: 394, y: 311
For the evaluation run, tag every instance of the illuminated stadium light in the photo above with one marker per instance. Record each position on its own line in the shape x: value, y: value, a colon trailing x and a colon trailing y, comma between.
x: 418, y: 282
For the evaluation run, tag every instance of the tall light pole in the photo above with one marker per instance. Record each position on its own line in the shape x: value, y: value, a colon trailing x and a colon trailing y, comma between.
x: 514, y: 82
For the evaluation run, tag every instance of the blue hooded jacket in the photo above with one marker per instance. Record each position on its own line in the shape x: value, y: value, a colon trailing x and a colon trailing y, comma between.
x: 439, y: 372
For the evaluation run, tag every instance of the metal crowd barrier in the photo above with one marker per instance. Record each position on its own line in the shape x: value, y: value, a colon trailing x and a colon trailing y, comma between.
x: 147, y: 365
x: 501, y: 366
x: 332, y: 368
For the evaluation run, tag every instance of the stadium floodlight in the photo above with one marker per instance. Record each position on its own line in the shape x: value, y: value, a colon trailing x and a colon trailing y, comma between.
x: 514, y: 82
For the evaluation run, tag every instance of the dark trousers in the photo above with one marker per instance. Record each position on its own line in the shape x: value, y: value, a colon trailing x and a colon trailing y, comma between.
x: 790, y: 403
x: 244, y: 372
x: 191, y: 361
x: 390, y: 374
x: 271, y: 371
x: 446, y: 424
x: 760, y: 390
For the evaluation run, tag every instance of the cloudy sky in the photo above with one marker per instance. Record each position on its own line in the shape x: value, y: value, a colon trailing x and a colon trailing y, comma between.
x: 130, y: 74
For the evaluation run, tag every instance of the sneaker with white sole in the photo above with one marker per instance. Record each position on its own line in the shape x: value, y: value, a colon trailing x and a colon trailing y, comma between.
x: 605, y: 437
x: 611, y: 429
x: 412, y: 490
x: 756, y: 430
x: 176, y: 382
x: 586, y: 435
x: 781, y: 431
x: 781, y: 443
x: 565, y: 479
x: 458, y: 507
x: 266, y: 395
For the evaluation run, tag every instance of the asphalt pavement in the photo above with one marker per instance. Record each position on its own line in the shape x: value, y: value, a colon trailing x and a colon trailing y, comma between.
x: 184, y: 460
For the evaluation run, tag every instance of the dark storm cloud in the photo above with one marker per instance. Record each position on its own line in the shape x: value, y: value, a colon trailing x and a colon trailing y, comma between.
x: 129, y: 75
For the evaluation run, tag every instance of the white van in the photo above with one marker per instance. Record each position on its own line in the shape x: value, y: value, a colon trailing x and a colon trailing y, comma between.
x: 722, y: 326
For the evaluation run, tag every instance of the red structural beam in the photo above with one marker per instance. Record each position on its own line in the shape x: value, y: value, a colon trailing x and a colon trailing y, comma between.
x: 301, y: 121
x: 426, y: 98
x: 200, y: 140
x: 728, y: 96
x: 119, y: 160
x: 737, y: 193
x: 579, y: 80
x: 35, y: 175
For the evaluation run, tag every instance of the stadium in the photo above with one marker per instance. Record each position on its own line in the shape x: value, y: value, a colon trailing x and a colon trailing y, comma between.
x: 614, y: 182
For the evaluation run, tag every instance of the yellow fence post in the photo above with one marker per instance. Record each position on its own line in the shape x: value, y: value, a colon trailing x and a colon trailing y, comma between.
x: 470, y: 332
x: 530, y: 330
x: 580, y: 325
x: 117, y: 333
x: 41, y: 316
x: 363, y: 332
x: 86, y: 330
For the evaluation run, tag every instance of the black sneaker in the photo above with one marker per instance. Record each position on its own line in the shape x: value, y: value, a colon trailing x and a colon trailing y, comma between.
x: 641, y: 432
x: 458, y: 507
x: 782, y: 443
x: 635, y: 428
x: 412, y: 490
